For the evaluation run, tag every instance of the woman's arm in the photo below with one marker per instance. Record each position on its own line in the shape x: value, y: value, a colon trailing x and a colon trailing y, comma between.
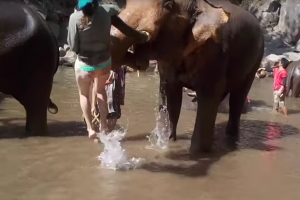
x: 72, y: 38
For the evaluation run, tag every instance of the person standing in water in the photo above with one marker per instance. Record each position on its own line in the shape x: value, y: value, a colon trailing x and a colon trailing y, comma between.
x: 89, y: 38
x: 279, y: 86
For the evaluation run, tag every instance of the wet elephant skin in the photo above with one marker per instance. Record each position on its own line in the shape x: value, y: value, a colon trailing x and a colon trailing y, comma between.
x: 198, y: 44
x: 293, y: 81
x: 28, y: 61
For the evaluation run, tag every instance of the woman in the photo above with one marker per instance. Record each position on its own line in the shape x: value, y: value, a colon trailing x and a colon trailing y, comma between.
x: 89, y: 38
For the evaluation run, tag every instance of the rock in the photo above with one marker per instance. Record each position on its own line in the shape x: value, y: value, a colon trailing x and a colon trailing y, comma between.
x: 276, y: 42
x: 70, y: 58
x: 270, y: 19
x: 274, y: 58
x: 270, y: 60
x: 289, y: 21
x: 66, y: 47
x: 297, y: 47
x: 268, y: 38
x: 62, y: 52
x: 292, y: 56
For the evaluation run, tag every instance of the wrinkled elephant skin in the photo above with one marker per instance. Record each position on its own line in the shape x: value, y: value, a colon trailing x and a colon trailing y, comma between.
x: 28, y: 61
x: 212, y: 48
x: 293, y: 80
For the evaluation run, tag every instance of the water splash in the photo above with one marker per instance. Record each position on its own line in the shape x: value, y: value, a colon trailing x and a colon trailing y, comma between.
x: 159, y: 137
x: 114, y: 155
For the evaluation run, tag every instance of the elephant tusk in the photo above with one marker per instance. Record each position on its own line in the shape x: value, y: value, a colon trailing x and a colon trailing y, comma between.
x: 148, y: 35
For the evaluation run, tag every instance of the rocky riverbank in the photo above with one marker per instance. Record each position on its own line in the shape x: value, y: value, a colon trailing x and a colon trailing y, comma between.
x: 279, y: 20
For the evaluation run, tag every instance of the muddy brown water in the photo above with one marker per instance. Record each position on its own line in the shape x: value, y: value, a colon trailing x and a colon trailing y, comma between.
x: 63, y: 166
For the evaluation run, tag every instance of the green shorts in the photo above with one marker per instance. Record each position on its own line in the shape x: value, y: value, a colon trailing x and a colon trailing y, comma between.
x: 96, y: 67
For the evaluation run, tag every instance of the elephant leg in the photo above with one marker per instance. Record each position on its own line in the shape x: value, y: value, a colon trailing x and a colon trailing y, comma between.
x: 296, y: 87
x: 35, y: 101
x: 208, y: 102
x: 174, y: 101
x: 36, y: 119
x: 236, y: 104
x: 162, y: 94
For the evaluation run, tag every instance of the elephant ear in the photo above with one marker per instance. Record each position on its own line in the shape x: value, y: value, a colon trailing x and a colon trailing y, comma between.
x: 208, y: 26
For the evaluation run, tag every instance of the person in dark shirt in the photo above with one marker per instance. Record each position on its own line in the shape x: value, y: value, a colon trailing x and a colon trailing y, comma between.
x: 89, y: 37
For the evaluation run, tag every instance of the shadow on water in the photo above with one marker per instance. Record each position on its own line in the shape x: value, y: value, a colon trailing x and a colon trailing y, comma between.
x: 15, y: 128
x: 2, y: 98
x: 254, y: 134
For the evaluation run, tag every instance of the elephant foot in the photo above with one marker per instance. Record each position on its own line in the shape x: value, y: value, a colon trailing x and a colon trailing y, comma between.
x: 173, y: 137
x: 200, y: 149
x: 36, y: 121
x: 196, y: 153
x: 232, y: 131
x: 36, y: 131
x: 233, y: 136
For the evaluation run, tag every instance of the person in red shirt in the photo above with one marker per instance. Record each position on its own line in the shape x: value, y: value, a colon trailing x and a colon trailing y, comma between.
x: 279, y: 86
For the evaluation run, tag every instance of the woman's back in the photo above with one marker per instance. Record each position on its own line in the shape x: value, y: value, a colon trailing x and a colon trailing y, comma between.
x: 94, y: 36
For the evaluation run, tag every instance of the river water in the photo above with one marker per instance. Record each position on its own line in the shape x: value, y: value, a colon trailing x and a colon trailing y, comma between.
x: 64, y: 165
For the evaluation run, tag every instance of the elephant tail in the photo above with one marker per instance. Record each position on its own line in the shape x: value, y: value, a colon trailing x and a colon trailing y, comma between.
x: 289, y: 79
x: 52, y: 107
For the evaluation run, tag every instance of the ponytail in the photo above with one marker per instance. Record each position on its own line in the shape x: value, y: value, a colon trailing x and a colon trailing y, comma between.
x: 87, y: 7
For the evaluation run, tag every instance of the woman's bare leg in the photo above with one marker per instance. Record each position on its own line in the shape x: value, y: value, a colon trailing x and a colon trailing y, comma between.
x: 84, y: 80
x: 92, y: 97
x: 100, y: 79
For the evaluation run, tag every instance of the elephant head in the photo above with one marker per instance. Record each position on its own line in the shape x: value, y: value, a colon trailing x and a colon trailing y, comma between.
x: 150, y: 18
x: 177, y: 27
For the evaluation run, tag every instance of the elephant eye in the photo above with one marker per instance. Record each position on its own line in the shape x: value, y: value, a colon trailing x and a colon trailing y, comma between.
x: 168, y: 5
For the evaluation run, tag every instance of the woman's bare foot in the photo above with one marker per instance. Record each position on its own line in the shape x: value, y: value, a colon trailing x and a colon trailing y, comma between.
x: 93, y: 136
x: 104, y: 129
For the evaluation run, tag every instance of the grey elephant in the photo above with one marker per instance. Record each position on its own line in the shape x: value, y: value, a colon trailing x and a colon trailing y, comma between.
x: 28, y: 61
x: 293, y: 80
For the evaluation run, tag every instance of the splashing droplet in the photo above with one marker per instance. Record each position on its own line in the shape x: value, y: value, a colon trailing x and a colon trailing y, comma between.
x: 159, y: 137
x: 114, y: 155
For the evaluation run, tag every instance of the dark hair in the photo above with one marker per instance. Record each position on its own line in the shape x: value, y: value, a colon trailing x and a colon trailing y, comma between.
x: 89, y: 8
x: 88, y: 11
x: 284, y: 62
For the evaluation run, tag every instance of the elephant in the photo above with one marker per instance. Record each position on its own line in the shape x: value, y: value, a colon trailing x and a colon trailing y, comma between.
x: 211, y: 47
x: 293, y: 80
x: 29, y: 59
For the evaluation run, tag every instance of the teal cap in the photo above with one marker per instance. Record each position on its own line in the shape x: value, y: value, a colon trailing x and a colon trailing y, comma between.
x: 82, y: 3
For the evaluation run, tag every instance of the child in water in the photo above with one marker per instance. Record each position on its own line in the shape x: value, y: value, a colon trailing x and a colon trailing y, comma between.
x: 279, y: 85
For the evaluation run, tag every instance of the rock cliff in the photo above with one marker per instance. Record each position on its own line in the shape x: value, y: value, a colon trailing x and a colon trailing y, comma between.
x: 279, y: 20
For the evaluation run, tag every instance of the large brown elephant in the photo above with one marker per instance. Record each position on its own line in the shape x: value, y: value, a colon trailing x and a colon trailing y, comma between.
x: 28, y: 61
x: 211, y: 47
